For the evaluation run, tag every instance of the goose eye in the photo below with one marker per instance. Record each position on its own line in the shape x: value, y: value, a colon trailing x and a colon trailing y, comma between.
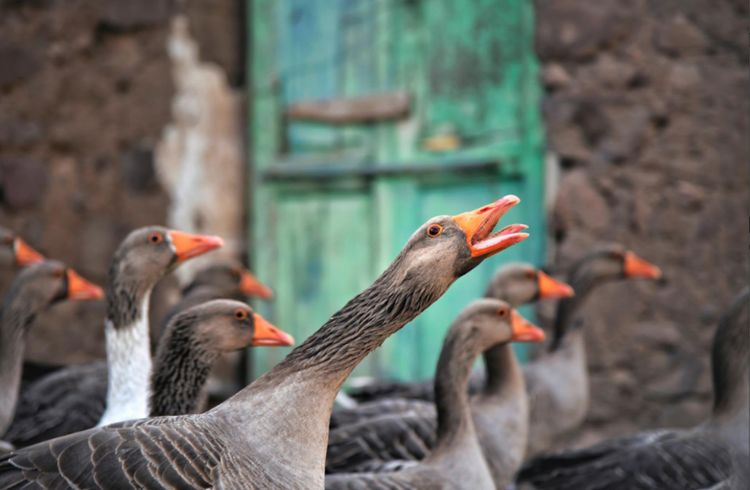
x: 531, y: 274
x: 502, y: 312
x: 58, y: 273
x: 434, y: 230
x: 240, y: 314
x: 155, y: 237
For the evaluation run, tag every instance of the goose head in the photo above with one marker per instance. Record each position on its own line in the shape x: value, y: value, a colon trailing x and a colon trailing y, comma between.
x: 48, y: 282
x: 230, y: 276
x: 613, y: 261
x: 492, y: 321
x: 520, y: 283
x: 447, y: 247
x: 228, y: 325
x: 148, y: 253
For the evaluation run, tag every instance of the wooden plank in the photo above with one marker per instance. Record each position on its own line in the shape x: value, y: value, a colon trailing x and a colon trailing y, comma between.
x: 352, y: 110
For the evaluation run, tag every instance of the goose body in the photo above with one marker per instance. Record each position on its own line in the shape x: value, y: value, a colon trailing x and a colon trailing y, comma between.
x: 122, y: 384
x: 713, y: 453
x: 273, y: 433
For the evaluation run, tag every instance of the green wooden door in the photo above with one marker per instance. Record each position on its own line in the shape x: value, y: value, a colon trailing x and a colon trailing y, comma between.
x: 432, y: 109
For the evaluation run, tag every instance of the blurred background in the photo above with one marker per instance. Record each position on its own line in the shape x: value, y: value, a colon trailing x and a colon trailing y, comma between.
x: 315, y: 136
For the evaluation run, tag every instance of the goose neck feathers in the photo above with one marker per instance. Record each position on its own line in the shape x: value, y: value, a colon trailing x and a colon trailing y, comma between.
x: 181, y: 368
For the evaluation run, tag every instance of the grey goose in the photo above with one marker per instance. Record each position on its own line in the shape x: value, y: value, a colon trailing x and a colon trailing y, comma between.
x: 193, y: 341
x: 557, y: 380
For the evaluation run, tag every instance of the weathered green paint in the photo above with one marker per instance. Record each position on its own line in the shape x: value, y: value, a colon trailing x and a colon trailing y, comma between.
x: 470, y: 69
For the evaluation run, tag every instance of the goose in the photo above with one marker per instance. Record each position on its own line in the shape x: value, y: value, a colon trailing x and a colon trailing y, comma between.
x: 71, y: 399
x: 458, y: 459
x: 672, y: 459
x: 498, y: 415
x: 273, y: 433
x: 557, y: 381
x: 517, y: 283
x: 192, y: 342
x: 33, y: 290
x: 13, y: 250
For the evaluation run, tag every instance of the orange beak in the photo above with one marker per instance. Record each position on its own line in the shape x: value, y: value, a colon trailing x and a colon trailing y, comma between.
x: 250, y: 286
x: 25, y: 255
x: 636, y: 267
x: 186, y: 245
x: 478, y: 224
x: 79, y: 288
x: 524, y: 330
x: 552, y: 288
x: 268, y: 335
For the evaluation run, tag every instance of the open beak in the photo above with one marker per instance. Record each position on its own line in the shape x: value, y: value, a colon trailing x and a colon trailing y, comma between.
x: 267, y: 335
x: 25, y: 255
x: 636, y: 267
x: 524, y: 330
x: 79, y: 288
x: 250, y: 286
x: 552, y: 288
x: 186, y: 245
x: 478, y: 224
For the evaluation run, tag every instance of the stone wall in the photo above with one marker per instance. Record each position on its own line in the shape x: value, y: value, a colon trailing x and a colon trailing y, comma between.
x: 647, y: 111
x: 86, y: 90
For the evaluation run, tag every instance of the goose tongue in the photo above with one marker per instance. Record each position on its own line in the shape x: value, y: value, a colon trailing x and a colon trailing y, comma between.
x: 478, y: 224
x: 25, y: 255
x: 186, y: 245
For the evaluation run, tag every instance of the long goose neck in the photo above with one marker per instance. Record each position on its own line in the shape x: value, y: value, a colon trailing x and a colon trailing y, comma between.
x: 362, y: 325
x: 181, y: 368
x: 583, y: 278
x: 126, y: 332
x: 17, y: 315
x: 729, y: 359
x: 451, y: 387
x: 503, y: 371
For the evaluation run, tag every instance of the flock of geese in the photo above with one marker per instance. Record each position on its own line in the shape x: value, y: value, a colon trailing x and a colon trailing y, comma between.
x: 139, y: 421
